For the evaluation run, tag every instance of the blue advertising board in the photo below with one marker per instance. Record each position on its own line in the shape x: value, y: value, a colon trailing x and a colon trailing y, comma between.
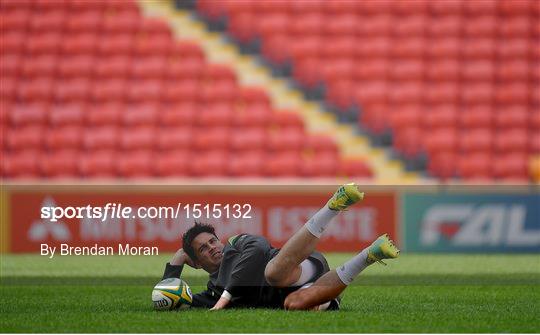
x: 441, y: 222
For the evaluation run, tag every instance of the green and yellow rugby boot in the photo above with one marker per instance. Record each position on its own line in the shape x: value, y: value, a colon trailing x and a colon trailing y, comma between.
x: 382, y: 248
x: 345, y: 196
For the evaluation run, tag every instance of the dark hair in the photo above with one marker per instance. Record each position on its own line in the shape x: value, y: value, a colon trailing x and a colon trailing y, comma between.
x: 193, y: 232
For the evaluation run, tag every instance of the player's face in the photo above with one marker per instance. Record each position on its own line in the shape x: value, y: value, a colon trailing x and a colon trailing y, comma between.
x: 209, y: 251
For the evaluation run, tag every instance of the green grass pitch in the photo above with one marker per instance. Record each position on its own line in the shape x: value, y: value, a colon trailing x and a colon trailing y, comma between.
x: 416, y: 293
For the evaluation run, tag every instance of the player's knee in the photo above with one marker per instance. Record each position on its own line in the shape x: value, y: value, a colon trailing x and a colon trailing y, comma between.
x: 272, y: 275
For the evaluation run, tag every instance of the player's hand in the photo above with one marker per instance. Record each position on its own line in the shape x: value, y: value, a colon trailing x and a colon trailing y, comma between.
x: 181, y: 258
x: 221, y: 304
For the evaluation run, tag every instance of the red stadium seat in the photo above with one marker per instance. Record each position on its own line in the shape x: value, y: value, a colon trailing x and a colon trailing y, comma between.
x: 84, y: 22
x: 483, y: 71
x: 17, y: 20
x: 477, y: 140
x: 406, y: 116
x: 38, y: 90
x: 283, y: 165
x: 479, y: 48
x: 446, y: 7
x: 515, y: 7
x: 443, y: 140
x: 511, y: 140
x: 29, y: 137
x: 407, y: 93
x: 476, y: 116
x: 14, y: 42
x: 250, y: 139
x: 321, y: 165
x: 104, y: 114
x: 512, y: 117
x: 285, y: 140
x: 121, y: 23
x: 40, y: 66
x: 182, y: 91
x: 410, y: 7
x: 516, y: 70
x: 445, y: 26
x: 182, y: 114
x: 118, y: 67
x: 110, y: 90
x: 49, y: 21
x: 77, y: 66
x: 479, y: 7
x: 475, y: 166
x: 190, y: 69
x: 408, y: 141
x: 512, y: 93
x: 513, y: 166
x: 43, y: 43
x: 321, y: 144
x: 8, y: 90
x: 144, y: 91
x: 443, y: 70
x: 286, y: 119
x: 73, y: 90
x: 438, y: 116
x: 140, y: 115
x: 139, y: 138
x: 26, y: 114
x: 21, y: 164
x: 411, y: 26
x: 153, y: 67
x: 355, y: 168
x: 442, y: 93
x: 117, y: 44
x: 137, y: 164
x: 252, y: 116
x: 155, y: 45
x: 215, y: 115
x: 341, y: 25
x: 482, y: 26
x: 66, y: 114
x: 98, y: 164
x: 477, y: 93
x: 60, y: 164
x: 212, y: 139
x: 247, y: 164
x: 84, y: 43
x: 515, y: 26
x: 443, y: 165
x: 222, y: 91
x: 174, y: 163
x: 175, y: 138
x: 447, y: 48
x: 68, y: 137
x: 209, y: 164
x: 219, y: 72
x: 101, y: 138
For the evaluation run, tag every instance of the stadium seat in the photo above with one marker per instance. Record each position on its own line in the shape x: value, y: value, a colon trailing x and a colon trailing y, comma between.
x: 104, y: 114
x: 101, y: 163
x: 66, y: 114
x: 512, y: 166
x: 67, y: 137
x: 209, y: 164
x: 174, y: 138
x: 21, y: 164
x: 101, y: 138
x: 246, y: 164
x: 476, y: 140
x: 211, y: 139
x: 26, y: 114
x: 29, y: 137
x: 135, y: 164
x: 60, y: 164
x: 181, y: 114
x: 248, y: 139
x: 443, y: 165
x: 283, y: 165
x: 215, y: 115
x: 475, y: 166
x: 511, y: 141
x: 174, y: 163
x: 138, y: 138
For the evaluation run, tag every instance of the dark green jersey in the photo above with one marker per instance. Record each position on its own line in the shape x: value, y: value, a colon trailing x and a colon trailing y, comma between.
x: 241, y: 273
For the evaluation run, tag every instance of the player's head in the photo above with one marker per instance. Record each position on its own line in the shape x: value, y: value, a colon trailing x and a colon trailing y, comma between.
x: 203, y: 246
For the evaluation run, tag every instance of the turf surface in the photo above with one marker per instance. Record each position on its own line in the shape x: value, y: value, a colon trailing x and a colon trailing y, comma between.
x: 417, y: 293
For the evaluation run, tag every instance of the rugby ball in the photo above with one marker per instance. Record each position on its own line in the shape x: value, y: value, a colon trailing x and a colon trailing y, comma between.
x: 171, y: 293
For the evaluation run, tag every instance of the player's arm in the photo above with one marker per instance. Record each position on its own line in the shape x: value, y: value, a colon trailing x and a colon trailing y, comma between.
x: 173, y: 269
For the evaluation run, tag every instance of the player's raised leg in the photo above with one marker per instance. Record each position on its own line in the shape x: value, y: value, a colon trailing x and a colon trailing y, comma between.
x: 332, y: 283
x: 284, y: 269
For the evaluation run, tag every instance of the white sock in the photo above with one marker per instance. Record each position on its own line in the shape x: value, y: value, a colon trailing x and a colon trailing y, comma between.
x: 348, y: 271
x: 317, y: 224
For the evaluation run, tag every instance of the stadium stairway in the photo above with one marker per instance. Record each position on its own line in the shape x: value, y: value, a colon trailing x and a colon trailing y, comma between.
x: 251, y: 72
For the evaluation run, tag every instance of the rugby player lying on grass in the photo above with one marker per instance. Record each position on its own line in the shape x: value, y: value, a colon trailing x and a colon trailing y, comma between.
x: 249, y: 272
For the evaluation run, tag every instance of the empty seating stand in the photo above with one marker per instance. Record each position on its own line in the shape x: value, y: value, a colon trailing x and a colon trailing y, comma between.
x: 92, y: 89
x: 453, y: 78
